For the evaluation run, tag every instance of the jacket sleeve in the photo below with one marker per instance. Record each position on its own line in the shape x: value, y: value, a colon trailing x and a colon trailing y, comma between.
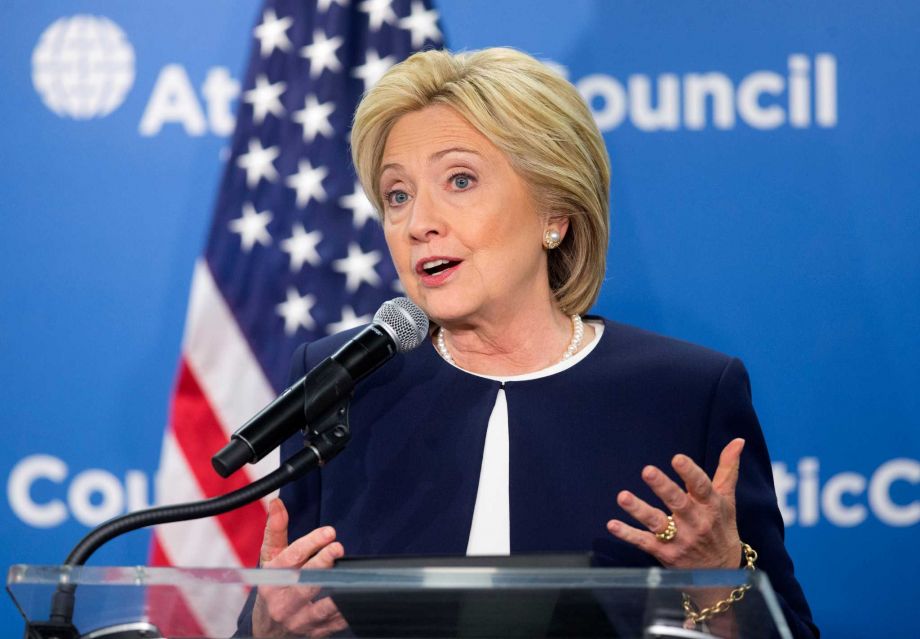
x: 759, y: 521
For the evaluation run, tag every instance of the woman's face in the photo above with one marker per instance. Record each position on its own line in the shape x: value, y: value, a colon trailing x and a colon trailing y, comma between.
x: 461, y: 225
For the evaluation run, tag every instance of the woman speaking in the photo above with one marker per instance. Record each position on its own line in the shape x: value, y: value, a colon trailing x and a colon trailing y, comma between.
x: 524, y: 425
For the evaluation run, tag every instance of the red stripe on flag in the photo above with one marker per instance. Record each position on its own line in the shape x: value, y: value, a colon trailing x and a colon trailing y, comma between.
x: 166, y: 606
x: 199, y: 435
x: 158, y: 556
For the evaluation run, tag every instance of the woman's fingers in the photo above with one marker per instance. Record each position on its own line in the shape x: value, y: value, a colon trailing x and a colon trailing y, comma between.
x: 302, y: 549
x: 326, y: 557
x: 726, y: 476
x: 293, y: 608
x: 276, y: 536
x: 296, y: 609
x: 642, y: 539
x: 652, y: 518
x: 697, y: 482
x: 704, y: 515
x: 316, y: 619
x: 670, y: 493
x: 699, y: 486
x: 668, y: 553
x: 335, y: 624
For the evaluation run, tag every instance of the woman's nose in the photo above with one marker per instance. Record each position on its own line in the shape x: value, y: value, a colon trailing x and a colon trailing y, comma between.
x: 427, y: 220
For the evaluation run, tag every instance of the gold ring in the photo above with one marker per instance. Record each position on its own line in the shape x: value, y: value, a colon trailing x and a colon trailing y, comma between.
x: 668, y: 533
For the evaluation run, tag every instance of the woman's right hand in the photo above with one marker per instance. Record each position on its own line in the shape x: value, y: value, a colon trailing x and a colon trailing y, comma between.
x: 283, y: 611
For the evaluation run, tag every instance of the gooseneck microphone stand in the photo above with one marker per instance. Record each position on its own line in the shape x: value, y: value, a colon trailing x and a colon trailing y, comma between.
x: 322, y: 441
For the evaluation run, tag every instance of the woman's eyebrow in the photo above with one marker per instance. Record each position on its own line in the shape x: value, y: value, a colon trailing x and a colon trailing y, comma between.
x: 434, y: 157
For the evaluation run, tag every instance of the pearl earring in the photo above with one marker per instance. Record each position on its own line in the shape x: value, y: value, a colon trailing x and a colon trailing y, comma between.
x: 551, y: 239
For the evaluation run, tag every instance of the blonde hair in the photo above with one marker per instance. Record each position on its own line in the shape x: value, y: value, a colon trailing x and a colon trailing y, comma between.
x: 536, y: 118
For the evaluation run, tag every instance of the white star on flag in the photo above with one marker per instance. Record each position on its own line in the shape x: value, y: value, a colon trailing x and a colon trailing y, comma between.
x: 301, y: 246
x: 258, y: 163
x: 272, y: 33
x: 358, y: 267
x: 308, y: 182
x: 321, y: 53
x: 349, y: 320
x: 323, y: 5
x: 373, y: 68
x: 378, y: 12
x: 422, y: 23
x: 296, y: 311
x: 314, y: 117
x: 361, y: 208
x: 264, y: 99
x: 252, y: 227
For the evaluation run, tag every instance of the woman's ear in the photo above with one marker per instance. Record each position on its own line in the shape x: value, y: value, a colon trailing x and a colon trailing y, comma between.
x: 560, y: 223
x: 554, y: 231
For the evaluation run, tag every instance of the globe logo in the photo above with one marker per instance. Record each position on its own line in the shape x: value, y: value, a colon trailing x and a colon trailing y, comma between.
x: 83, y: 67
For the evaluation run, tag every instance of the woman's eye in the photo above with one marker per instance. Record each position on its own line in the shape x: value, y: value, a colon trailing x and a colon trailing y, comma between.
x: 462, y: 181
x: 395, y: 198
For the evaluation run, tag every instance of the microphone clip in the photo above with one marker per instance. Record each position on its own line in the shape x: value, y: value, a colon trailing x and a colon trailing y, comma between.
x: 328, y: 435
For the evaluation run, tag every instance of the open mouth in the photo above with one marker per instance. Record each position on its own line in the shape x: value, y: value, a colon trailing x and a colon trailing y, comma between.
x: 433, y: 267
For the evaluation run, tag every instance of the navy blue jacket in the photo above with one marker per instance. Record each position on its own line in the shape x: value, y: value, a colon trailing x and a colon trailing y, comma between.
x: 407, y: 482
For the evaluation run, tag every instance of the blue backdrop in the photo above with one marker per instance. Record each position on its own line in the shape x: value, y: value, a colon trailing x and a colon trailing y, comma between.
x: 765, y: 186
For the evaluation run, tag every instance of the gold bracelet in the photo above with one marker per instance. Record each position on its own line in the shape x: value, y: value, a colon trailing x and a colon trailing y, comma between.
x: 696, y: 616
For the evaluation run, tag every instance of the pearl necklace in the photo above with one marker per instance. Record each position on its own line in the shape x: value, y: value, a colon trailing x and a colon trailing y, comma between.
x: 578, y: 334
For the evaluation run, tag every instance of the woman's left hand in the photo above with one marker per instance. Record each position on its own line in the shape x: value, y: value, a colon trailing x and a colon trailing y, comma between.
x: 707, y: 532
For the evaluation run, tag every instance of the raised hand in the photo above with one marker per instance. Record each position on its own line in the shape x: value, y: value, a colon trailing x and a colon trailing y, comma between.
x: 704, y: 514
x: 283, y: 611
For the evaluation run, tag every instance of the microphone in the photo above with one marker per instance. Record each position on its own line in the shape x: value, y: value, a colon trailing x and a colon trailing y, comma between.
x: 398, y: 327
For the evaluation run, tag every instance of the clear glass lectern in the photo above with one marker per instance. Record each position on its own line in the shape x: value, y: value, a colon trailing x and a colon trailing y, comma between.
x: 408, y: 602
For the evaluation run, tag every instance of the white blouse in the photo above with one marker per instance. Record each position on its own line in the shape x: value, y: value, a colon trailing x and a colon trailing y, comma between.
x: 490, y: 532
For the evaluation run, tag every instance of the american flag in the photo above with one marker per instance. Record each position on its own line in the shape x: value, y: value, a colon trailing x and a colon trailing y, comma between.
x: 293, y: 254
